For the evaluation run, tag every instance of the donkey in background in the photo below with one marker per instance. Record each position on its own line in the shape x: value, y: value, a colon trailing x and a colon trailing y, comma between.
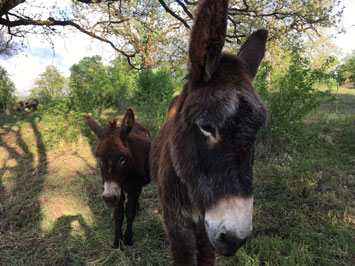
x: 123, y: 155
x: 202, y: 157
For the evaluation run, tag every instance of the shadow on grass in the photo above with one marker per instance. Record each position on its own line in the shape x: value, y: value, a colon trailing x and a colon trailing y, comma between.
x: 72, y: 240
x: 63, y: 244
x: 22, y: 176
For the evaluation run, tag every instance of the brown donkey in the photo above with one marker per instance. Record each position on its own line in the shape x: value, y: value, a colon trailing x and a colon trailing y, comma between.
x: 202, y: 157
x: 123, y: 155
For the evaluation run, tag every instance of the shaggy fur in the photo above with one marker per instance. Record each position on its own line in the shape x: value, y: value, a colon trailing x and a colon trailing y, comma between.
x: 202, y: 157
x: 123, y: 154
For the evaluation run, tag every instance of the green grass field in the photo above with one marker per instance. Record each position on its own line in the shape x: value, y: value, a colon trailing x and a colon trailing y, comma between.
x: 51, y: 211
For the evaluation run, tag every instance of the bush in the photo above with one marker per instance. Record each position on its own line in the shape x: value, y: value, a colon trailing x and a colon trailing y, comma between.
x: 346, y: 72
x: 95, y: 86
x: 7, y: 89
x: 152, y: 97
x: 122, y: 81
x: 87, y: 81
x: 49, y: 86
x: 62, y: 122
x: 289, y: 97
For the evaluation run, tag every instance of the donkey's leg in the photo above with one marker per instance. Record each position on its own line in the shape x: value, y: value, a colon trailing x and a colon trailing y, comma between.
x: 182, y: 240
x: 118, y: 214
x: 206, y: 254
x: 131, y: 209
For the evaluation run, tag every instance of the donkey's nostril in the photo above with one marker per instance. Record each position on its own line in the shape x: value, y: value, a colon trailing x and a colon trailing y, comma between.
x: 229, y: 243
x: 227, y: 239
x: 222, y: 237
x: 110, y: 200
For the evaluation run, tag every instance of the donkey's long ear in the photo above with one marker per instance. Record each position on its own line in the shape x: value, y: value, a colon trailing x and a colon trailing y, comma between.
x: 207, y: 38
x: 127, y: 123
x: 94, y: 126
x: 253, y: 50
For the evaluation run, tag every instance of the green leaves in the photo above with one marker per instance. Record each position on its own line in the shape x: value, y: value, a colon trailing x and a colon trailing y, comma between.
x: 346, y: 72
x: 290, y: 96
x: 7, y: 89
x: 51, y: 85
x: 90, y: 84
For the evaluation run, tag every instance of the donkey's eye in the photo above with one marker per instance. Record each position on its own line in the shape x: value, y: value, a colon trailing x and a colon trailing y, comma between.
x: 122, y: 160
x: 208, y: 130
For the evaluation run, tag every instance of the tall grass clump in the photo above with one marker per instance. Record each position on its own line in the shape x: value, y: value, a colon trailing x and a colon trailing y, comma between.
x: 290, y: 96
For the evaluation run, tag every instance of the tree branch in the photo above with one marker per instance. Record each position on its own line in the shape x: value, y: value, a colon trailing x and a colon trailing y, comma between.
x: 52, y: 22
x: 6, y: 6
x: 96, y: 1
x: 173, y: 14
x: 184, y: 8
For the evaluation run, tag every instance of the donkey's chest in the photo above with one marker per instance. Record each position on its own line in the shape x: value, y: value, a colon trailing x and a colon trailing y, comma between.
x: 133, y: 182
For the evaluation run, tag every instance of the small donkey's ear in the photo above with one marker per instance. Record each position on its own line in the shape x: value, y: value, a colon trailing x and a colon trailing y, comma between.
x: 95, y: 127
x: 127, y: 123
x: 207, y: 39
x: 253, y: 50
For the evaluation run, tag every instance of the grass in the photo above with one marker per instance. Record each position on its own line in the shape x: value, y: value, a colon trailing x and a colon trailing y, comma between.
x: 51, y: 211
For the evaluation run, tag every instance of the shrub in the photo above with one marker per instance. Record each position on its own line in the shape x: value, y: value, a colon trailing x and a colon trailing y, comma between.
x: 122, y: 81
x: 289, y: 97
x: 62, y: 122
x: 346, y: 71
x: 49, y: 86
x: 93, y: 85
x: 7, y: 89
x: 87, y: 82
x: 152, y: 97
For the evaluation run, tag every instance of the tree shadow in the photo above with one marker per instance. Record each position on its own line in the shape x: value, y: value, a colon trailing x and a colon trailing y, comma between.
x: 22, y: 173
x: 68, y: 233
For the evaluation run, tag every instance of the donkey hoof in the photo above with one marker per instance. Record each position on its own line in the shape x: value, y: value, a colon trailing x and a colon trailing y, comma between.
x: 128, y: 242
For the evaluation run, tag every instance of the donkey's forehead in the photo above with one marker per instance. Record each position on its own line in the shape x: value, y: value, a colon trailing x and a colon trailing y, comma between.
x: 218, y: 105
x: 213, y: 105
x: 218, y: 100
x: 110, y: 146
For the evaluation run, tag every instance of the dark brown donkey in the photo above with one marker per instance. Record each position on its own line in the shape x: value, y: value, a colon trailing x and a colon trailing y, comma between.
x: 202, y: 157
x: 123, y: 155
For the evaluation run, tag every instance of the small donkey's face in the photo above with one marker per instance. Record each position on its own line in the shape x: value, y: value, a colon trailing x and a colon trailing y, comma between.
x: 113, y: 155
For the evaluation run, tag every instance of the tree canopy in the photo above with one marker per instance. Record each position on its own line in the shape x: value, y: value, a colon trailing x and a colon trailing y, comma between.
x: 50, y: 85
x: 148, y: 32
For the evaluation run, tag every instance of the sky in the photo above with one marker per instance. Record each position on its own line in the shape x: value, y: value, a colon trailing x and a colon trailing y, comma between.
x: 25, y: 67
x: 347, y: 41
